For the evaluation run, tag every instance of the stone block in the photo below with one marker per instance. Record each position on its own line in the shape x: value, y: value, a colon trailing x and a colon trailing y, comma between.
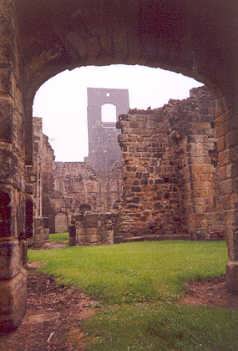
x: 6, y: 113
x: 226, y: 186
x: 10, y: 259
x: 232, y: 276
x: 231, y: 138
x: 135, y: 189
x: 91, y: 220
x: 6, y: 85
x: 13, y: 294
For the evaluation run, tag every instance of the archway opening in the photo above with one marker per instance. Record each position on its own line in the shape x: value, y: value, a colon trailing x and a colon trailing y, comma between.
x: 96, y: 178
x: 169, y: 35
x: 78, y: 128
x: 62, y: 100
x: 141, y: 177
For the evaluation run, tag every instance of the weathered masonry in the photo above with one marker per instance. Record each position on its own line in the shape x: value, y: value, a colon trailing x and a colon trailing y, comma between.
x: 61, y: 189
x: 77, y: 186
x: 170, y: 172
x: 42, y: 38
x: 169, y: 176
x: 42, y: 174
x: 58, y: 190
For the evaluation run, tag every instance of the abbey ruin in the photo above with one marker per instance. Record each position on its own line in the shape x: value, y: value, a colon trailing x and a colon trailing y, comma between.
x: 92, y: 189
x: 150, y: 175
x: 179, y: 163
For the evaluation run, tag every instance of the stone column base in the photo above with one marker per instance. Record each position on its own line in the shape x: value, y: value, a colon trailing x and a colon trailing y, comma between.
x: 13, y: 293
x: 232, y: 276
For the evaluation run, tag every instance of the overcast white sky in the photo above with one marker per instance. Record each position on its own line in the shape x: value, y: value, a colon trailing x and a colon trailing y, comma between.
x: 62, y: 101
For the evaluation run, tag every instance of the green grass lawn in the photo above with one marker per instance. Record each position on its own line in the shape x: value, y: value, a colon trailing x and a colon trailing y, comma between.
x: 59, y: 237
x: 138, y: 285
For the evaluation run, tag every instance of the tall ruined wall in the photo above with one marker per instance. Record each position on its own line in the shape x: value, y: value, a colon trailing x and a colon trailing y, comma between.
x: 48, y: 168
x: 104, y: 150
x: 13, y: 191
x: 169, y: 171
x: 194, y: 125
x: 37, y: 164
x: 151, y: 205
x: 43, y: 172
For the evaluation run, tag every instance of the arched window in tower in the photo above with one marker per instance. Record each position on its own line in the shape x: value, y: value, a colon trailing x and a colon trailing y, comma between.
x: 108, y: 113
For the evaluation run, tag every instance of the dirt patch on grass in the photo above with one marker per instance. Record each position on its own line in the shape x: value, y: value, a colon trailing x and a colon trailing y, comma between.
x: 54, y: 315
x: 211, y: 292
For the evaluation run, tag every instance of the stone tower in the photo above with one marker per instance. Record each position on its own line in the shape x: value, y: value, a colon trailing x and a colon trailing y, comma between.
x: 104, y: 149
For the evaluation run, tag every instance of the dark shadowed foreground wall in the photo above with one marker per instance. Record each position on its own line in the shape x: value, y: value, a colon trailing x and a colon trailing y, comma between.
x: 41, y: 38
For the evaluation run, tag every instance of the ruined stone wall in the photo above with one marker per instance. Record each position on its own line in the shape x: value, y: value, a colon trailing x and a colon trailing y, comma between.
x: 195, y: 121
x: 43, y: 173
x: 48, y: 169
x: 12, y: 172
x: 76, y: 185
x: 110, y: 185
x: 170, y: 171
x: 187, y: 45
x: 95, y: 228
x: 151, y: 199
x: 61, y: 188
x: 104, y: 150
x: 168, y: 176
x: 37, y: 164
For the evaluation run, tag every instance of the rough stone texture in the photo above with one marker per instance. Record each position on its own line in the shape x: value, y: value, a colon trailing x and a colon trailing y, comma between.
x: 76, y: 185
x: 43, y: 38
x: 12, y: 173
x: 42, y: 173
x: 48, y: 168
x: 58, y: 190
x: 13, y: 301
x: 226, y: 132
x: 10, y: 259
x: 61, y: 188
x: 95, y: 228
x: 111, y: 185
x: 232, y: 276
x: 170, y: 171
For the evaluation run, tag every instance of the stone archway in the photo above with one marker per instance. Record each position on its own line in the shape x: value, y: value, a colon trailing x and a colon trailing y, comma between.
x: 40, y: 39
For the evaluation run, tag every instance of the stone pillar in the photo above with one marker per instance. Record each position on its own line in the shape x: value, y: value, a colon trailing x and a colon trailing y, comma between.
x: 12, y: 273
x: 108, y: 229
x: 201, y: 144
x: 227, y: 143
x: 72, y: 235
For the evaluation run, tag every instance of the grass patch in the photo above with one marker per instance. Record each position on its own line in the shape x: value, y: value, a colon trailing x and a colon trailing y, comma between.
x: 163, y: 327
x: 59, y: 237
x: 138, y: 284
x: 135, y: 272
